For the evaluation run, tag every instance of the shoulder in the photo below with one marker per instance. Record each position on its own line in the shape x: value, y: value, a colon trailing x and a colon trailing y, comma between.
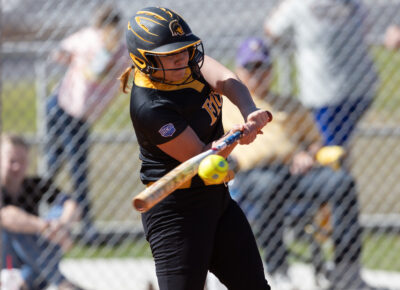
x: 88, y: 36
x: 147, y: 105
x: 87, y: 32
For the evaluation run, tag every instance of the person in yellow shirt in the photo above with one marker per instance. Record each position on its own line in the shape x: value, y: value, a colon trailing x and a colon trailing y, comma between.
x: 280, y: 168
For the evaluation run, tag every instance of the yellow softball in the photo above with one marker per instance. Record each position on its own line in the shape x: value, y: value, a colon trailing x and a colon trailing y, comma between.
x: 213, y: 169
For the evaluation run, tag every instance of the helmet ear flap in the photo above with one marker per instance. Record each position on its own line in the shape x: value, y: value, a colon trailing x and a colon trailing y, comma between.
x: 142, y: 65
x: 152, y: 63
x: 139, y: 63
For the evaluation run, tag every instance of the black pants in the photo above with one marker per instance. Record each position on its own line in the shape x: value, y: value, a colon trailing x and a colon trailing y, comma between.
x: 196, y: 230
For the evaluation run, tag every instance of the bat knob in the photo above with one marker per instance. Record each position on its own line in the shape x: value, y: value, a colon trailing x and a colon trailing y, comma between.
x: 139, y: 204
x: 269, y: 116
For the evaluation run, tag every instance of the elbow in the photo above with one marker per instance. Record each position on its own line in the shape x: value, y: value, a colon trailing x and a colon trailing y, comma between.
x: 230, y: 85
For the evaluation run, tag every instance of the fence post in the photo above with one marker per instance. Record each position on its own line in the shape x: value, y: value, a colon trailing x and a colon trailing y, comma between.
x: 41, y: 95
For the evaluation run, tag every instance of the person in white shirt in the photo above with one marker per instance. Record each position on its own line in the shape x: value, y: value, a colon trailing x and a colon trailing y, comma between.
x: 336, y: 75
x: 94, y: 56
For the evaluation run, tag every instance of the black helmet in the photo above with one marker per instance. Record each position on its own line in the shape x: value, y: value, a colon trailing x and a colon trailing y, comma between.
x: 157, y: 31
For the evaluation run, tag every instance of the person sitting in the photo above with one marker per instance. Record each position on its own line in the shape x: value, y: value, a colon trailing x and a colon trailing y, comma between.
x: 33, y: 244
x: 280, y: 168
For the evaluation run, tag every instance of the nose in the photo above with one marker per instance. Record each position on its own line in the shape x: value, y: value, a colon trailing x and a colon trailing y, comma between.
x: 179, y: 59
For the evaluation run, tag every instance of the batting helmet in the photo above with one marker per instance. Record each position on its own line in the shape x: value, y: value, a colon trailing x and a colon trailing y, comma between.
x: 155, y: 31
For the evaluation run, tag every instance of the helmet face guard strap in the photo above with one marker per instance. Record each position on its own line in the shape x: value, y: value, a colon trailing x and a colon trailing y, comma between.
x: 155, y: 32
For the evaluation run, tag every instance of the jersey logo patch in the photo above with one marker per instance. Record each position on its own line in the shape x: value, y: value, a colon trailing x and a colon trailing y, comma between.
x: 167, y: 130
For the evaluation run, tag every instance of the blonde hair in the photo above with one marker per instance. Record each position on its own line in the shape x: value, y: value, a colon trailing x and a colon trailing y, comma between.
x: 124, y: 78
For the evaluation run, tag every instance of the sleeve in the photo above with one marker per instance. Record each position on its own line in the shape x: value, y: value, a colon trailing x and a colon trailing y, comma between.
x: 282, y: 18
x: 81, y: 42
x: 160, y: 122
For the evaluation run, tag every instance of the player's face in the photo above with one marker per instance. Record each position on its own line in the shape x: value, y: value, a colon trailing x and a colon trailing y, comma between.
x: 14, y: 162
x: 174, y: 66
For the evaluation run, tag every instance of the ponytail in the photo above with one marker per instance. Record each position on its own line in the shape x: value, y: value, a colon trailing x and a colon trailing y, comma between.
x: 124, y: 78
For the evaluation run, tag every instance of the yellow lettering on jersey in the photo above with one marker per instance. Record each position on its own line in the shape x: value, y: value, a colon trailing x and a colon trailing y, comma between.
x: 213, y: 106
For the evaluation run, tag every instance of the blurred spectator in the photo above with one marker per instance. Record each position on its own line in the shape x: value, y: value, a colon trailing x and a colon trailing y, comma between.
x: 336, y: 75
x: 392, y: 37
x: 34, y: 244
x: 280, y: 171
x: 93, y: 56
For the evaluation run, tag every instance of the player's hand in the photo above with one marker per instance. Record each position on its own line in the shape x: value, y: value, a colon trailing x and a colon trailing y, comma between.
x: 255, y: 122
x: 59, y: 233
x: 302, y: 162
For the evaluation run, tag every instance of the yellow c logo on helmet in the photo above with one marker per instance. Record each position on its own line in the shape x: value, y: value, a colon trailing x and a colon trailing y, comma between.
x: 175, y: 28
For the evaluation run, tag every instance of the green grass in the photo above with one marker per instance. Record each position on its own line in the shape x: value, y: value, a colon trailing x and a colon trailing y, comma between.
x: 18, y: 107
x: 19, y: 99
x: 127, y: 249
x: 380, y: 252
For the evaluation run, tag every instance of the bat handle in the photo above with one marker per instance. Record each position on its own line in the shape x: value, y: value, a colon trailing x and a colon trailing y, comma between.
x: 233, y: 138
x: 227, y: 141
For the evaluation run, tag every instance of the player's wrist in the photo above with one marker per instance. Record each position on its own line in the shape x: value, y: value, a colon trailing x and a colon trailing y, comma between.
x: 248, y: 111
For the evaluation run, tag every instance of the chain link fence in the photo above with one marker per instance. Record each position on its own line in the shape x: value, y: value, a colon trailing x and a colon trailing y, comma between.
x: 116, y: 255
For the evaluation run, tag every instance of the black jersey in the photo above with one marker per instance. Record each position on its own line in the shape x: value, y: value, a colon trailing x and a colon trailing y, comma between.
x: 160, y: 112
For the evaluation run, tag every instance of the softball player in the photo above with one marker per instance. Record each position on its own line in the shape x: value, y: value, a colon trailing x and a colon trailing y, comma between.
x: 176, y: 113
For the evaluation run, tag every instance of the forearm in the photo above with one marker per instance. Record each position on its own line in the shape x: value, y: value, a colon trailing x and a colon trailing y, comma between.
x: 71, y: 212
x: 17, y: 220
x: 227, y: 83
x: 240, y: 96
x: 314, y: 148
